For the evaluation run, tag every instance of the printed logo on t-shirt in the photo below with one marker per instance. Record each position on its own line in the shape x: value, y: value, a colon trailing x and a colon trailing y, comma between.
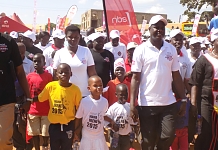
x: 169, y: 56
x: 59, y: 108
x: 3, y: 48
x: 121, y: 121
x: 184, y: 65
x: 107, y: 59
x: 94, y: 121
x: 119, y: 53
x: 83, y: 61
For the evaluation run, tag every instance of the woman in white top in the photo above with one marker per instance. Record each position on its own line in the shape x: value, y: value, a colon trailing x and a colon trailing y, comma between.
x: 78, y: 57
x: 43, y: 40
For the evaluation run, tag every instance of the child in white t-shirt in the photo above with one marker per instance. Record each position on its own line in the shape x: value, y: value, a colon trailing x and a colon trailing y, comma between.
x: 119, y: 112
x: 91, y: 114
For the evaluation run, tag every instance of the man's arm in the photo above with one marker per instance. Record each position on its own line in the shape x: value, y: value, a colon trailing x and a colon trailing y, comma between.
x: 91, y: 71
x: 180, y: 90
x: 187, y: 87
x: 178, y: 84
x: 134, y: 92
x: 194, y: 93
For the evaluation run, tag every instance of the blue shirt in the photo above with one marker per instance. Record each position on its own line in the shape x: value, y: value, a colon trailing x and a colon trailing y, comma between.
x: 181, y: 122
x: 213, y: 23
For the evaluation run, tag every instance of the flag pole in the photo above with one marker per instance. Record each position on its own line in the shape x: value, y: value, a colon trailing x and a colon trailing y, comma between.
x: 106, y: 23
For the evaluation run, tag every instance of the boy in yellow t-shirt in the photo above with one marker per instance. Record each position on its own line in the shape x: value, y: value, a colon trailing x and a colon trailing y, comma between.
x: 64, y: 99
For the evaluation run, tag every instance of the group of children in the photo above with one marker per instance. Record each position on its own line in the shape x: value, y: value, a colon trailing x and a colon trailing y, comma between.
x: 59, y: 113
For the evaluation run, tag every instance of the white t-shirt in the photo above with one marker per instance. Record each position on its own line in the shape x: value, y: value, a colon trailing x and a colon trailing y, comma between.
x: 184, y: 51
x: 156, y: 68
x: 92, y: 113
x: 78, y: 63
x: 120, y: 113
x: 50, y: 69
x: 47, y: 53
x: 119, y: 51
x: 185, y: 67
x: 42, y: 47
x: 28, y: 66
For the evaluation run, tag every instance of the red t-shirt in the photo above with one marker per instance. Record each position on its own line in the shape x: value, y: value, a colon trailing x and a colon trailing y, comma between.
x: 37, y: 82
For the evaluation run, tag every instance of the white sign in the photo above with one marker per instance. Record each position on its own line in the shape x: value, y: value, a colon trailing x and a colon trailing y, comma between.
x: 144, y: 22
x: 195, y: 25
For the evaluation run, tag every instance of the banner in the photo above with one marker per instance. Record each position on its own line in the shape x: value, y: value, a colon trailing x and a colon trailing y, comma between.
x: 121, y: 16
x: 49, y: 28
x: 61, y: 24
x: 71, y: 13
x: 58, y: 22
x: 34, y: 17
x: 144, y: 22
x: 195, y: 25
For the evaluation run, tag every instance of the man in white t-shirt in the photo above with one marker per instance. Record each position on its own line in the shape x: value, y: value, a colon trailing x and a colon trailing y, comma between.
x: 115, y: 46
x: 58, y: 37
x: 185, y: 64
x: 43, y: 40
x: 155, y: 65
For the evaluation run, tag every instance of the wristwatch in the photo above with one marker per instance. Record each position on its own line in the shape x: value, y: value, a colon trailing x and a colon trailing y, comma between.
x: 184, y: 100
x: 29, y: 99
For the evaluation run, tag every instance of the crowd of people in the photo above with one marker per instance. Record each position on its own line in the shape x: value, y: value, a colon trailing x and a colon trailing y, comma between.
x: 68, y: 89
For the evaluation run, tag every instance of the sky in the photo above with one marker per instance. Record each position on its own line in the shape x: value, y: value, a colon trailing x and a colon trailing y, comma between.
x: 52, y: 8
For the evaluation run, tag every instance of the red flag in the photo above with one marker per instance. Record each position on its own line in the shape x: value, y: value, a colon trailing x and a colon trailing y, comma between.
x: 62, y: 22
x: 49, y: 25
x: 121, y: 16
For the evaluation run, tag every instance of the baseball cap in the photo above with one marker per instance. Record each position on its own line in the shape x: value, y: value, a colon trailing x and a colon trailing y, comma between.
x: 114, y: 34
x: 119, y: 63
x: 175, y: 32
x: 167, y: 38
x: 157, y: 18
x: 214, y: 35
x: 58, y: 34
x: 194, y: 40
x: 14, y: 34
x: 131, y: 45
x: 29, y: 34
x: 95, y: 35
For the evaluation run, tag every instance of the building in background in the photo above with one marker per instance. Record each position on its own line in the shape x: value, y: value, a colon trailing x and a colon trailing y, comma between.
x: 93, y: 18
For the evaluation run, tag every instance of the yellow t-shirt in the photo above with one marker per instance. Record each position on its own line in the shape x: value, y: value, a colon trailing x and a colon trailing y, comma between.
x: 62, y: 101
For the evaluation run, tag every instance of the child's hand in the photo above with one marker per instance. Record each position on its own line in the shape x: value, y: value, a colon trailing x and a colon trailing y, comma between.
x: 114, y: 126
x: 76, y: 138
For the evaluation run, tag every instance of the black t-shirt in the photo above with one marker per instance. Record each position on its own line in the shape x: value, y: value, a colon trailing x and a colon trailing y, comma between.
x: 8, y: 52
x: 104, y: 65
x: 31, y: 51
x: 202, y: 77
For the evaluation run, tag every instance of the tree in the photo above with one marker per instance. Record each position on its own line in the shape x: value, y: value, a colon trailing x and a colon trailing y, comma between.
x: 197, y: 4
x: 193, y: 5
x: 169, y: 21
x: 52, y: 25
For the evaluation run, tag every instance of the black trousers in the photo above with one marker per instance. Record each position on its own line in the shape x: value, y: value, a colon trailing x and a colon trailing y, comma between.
x: 61, y: 136
x: 207, y: 140
x: 19, y: 134
x: 157, y: 126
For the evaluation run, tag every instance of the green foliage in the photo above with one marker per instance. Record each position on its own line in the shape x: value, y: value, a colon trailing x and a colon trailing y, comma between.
x: 197, y: 4
x: 169, y: 21
x: 193, y: 5
x: 52, y: 25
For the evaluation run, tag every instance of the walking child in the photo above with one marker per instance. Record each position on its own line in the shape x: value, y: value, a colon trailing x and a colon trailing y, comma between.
x: 37, y: 119
x: 91, y: 113
x: 119, y: 112
x: 64, y: 99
